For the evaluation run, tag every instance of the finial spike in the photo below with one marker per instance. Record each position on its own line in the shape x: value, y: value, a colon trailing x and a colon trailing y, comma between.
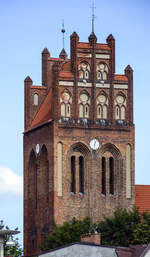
x: 63, y: 32
x: 93, y: 16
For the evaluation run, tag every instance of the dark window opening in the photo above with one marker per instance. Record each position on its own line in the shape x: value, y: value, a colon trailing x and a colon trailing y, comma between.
x: 81, y: 174
x: 103, y: 176
x: 111, y: 178
x: 73, y: 189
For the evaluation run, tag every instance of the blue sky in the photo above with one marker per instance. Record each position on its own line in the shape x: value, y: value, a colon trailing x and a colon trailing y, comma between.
x: 27, y: 27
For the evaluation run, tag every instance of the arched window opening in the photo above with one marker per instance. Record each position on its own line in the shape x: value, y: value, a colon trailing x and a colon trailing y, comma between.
x: 99, y: 114
x: 80, y: 111
x: 36, y: 99
x: 86, y: 111
x: 68, y: 110
x: 81, y: 174
x: 122, y: 113
x: 104, y: 112
x: 84, y: 70
x: 117, y: 113
x: 73, y: 171
x: 81, y: 74
x: 104, y: 75
x: 111, y: 175
x: 103, y: 165
x: 63, y: 110
x: 99, y: 75
x: 32, y: 180
x: 102, y: 71
x: 86, y: 74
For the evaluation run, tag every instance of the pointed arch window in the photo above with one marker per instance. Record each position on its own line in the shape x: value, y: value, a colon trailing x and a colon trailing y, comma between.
x: 73, y: 174
x: 122, y: 113
x: 99, y: 112
x: 104, y: 112
x: 102, y: 71
x: 117, y: 113
x: 65, y: 101
x: 81, y: 174
x: 102, y: 106
x: 86, y: 111
x: 36, y: 99
x: 111, y: 175
x: 120, y: 107
x: 84, y: 105
x: 103, y: 167
x: 84, y: 70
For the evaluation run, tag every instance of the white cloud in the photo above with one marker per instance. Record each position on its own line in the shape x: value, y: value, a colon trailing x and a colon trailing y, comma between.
x: 10, y: 182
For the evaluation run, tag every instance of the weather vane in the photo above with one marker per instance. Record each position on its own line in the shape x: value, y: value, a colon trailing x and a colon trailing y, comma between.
x: 93, y: 16
x: 63, y: 32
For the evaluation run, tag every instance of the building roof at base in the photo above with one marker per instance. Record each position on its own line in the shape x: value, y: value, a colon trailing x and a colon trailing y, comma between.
x: 142, y: 197
x: 83, y: 249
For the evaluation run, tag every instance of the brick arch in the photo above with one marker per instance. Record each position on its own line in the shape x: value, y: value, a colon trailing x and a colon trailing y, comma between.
x: 84, y: 61
x: 79, y: 147
x: 32, y: 175
x: 43, y: 192
x: 32, y: 201
x: 112, y: 149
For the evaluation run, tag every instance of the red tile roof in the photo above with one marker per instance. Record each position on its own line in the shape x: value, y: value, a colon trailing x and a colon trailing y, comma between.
x: 120, y: 77
x: 38, y: 87
x: 56, y: 59
x: 102, y: 46
x: 66, y: 75
x: 98, y: 46
x: 142, y: 197
x: 44, y: 113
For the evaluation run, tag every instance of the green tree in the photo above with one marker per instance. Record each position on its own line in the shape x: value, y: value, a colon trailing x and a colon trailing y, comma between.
x: 67, y: 233
x: 119, y: 228
x: 141, y: 234
x: 15, y: 251
x: 123, y: 228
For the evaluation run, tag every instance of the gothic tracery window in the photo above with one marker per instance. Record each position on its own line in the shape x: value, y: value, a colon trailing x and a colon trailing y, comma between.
x: 77, y: 173
x: 120, y: 107
x: 102, y: 106
x: 107, y: 174
x: 84, y: 70
x: 84, y: 105
x: 66, y: 101
x: 102, y: 71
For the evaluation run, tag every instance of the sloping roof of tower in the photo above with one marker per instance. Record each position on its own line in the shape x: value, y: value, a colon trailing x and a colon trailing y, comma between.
x: 120, y: 77
x: 44, y: 113
x: 142, y: 197
x: 66, y: 71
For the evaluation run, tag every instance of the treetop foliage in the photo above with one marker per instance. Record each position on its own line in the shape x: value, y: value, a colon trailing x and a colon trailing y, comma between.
x: 124, y: 228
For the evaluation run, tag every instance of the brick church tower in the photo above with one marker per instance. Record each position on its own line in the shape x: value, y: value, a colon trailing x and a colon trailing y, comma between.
x: 78, y: 139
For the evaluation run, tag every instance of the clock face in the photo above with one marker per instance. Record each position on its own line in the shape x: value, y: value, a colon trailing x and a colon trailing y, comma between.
x: 94, y: 144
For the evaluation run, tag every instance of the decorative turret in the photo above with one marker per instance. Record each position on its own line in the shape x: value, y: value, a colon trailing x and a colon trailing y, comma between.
x: 92, y: 39
x: 45, y: 56
x: 63, y: 54
x: 74, y: 39
x: 111, y: 42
